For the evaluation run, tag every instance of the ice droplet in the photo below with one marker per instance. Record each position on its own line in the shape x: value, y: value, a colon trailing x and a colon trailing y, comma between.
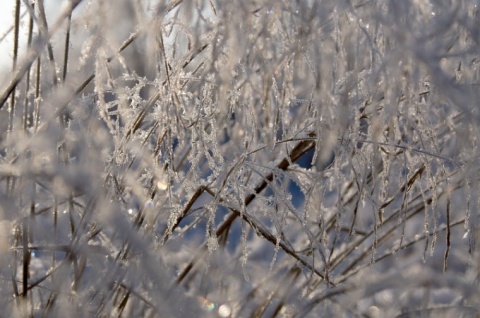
x: 224, y: 311
x: 162, y: 185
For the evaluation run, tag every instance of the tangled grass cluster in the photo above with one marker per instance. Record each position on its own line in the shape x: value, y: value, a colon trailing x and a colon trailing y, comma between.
x: 256, y: 158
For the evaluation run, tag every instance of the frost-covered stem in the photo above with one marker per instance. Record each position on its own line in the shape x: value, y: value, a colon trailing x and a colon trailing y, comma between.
x: 33, y: 53
x: 299, y: 150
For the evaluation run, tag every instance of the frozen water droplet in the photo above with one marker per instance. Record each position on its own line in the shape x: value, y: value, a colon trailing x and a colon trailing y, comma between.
x: 162, y: 185
x: 224, y: 311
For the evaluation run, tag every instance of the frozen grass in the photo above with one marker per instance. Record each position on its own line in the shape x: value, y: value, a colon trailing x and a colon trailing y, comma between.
x: 240, y: 158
